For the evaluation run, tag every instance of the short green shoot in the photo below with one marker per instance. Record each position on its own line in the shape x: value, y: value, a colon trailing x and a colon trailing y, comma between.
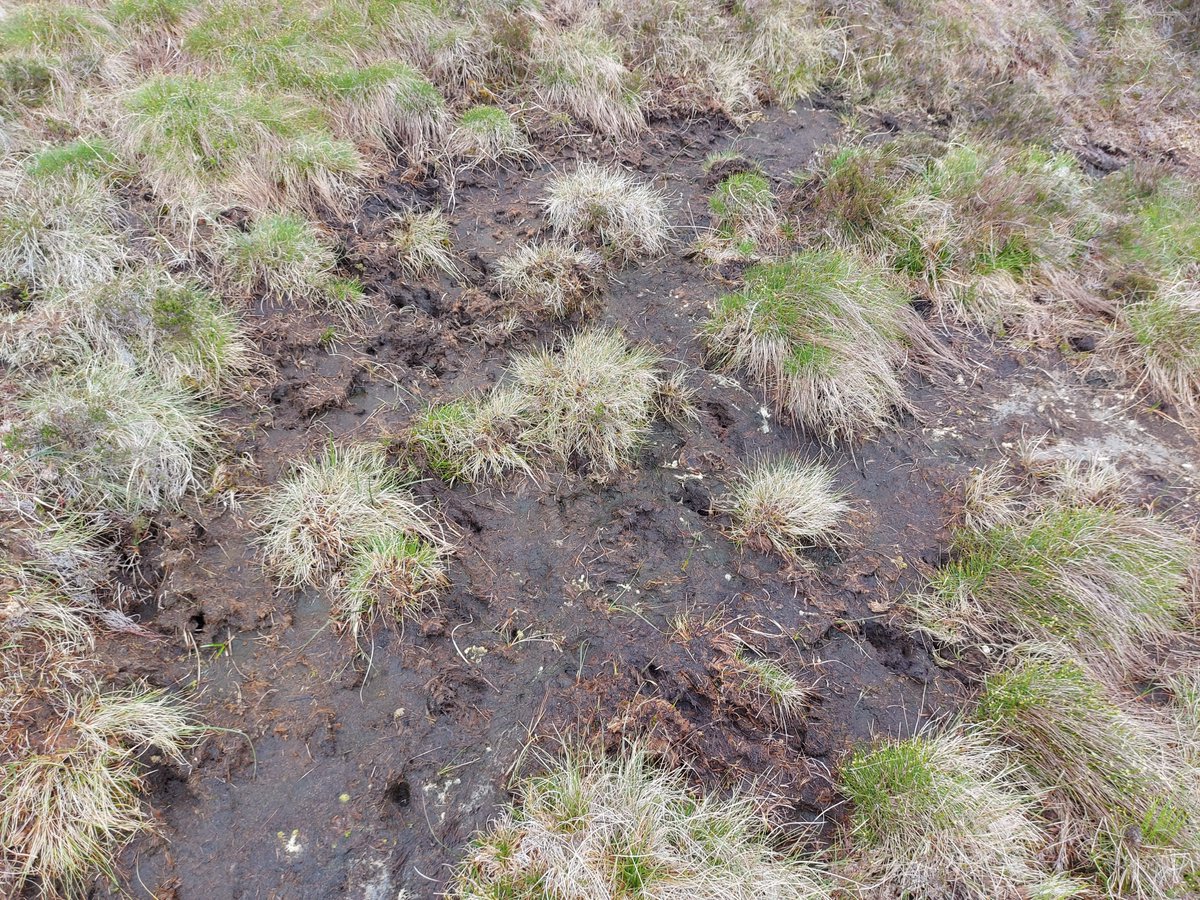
x: 745, y: 224
x: 777, y: 690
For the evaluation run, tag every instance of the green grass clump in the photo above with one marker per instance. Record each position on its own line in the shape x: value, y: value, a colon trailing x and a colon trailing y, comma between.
x: 389, y: 576
x: 316, y: 517
x: 172, y: 328
x: 1128, y: 799
x: 106, y: 437
x: 474, y: 439
x: 484, y: 134
x: 972, y: 226
x: 1163, y: 232
x: 790, y: 45
x: 331, y: 55
x: 282, y: 254
x: 597, y: 827
x: 824, y: 333
x: 345, y: 296
x: 388, y: 100
x: 1152, y: 262
x: 24, y: 82
x: 1158, y: 338
x: 287, y: 47
x: 195, y: 135
x: 70, y: 808
x: 148, y: 14
x: 744, y: 219
x: 193, y: 339
x: 941, y: 817
x: 93, y: 156
x: 1052, y: 561
x: 54, y: 30
x: 314, y: 170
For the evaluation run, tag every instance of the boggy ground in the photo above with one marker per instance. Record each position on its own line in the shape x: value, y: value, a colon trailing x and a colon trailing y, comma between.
x: 575, y: 605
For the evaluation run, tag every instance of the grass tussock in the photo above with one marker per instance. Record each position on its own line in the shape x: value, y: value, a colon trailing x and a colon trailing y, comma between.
x: 46, y: 629
x: 1158, y: 228
x: 172, y: 328
x: 1056, y: 555
x: 555, y: 278
x: 423, y: 243
x: 776, y: 689
x: 390, y: 576
x: 593, y: 400
x: 579, y: 71
x: 204, y: 141
x: 486, y: 134
x: 824, y: 333
x: 106, y: 437
x: 622, y: 213
x: 93, y: 156
x: 1152, y: 279
x: 359, y: 62
x: 790, y: 46
x: 57, y: 229
x: 63, y: 46
x: 974, y: 227
x: 745, y: 222
x: 72, y: 804
x: 1157, y: 338
x: 596, y: 827
x: 315, y: 518
x: 475, y: 439
x: 942, y: 816
x: 590, y: 403
x: 784, y: 505
x: 1125, y: 794
x: 287, y: 257
x: 389, y: 101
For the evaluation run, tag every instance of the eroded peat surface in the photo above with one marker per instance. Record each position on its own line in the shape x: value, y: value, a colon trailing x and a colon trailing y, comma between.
x: 574, y: 607
x: 599, y: 449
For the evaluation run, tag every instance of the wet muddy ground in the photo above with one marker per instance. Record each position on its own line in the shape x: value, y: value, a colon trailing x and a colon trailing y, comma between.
x: 576, y: 607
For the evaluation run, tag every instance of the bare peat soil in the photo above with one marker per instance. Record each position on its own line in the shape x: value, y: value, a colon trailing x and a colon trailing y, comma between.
x: 576, y: 607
